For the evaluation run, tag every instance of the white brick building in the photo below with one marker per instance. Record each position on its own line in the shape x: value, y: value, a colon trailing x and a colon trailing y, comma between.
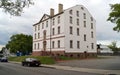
x: 71, y: 32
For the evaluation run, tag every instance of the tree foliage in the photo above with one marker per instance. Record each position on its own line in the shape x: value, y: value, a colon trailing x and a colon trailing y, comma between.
x: 14, y: 7
x: 114, y: 47
x: 2, y: 50
x: 20, y: 42
x: 114, y: 16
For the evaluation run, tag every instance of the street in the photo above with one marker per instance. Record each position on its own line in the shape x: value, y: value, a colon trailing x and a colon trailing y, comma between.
x: 104, y: 66
x: 105, y: 63
x: 17, y: 69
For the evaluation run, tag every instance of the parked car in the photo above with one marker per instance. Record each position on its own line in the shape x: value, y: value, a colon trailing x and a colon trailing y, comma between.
x: 4, y: 59
x: 31, y: 62
x: 0, y: 58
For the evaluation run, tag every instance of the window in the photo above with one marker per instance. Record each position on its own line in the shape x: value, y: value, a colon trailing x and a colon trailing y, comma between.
x: 70, y: 19
x: 53, y: 43
x: 35, y: 36
x: 35, y: 27
x: 53, y: 21
x: 42, y: 25
x: 58, y: 43
x: 38, y: 27
x: 78, y: 31
x: 38, y: 35
x: 58, y: 19
x: 38, y: 45
x: 34, y: 46
x: 44, y: 34
x: 92, y: 45
x: 71, y: 12
x: 78, y: 44
x: 91, y: 25
x: 84, y: 15
x: 84, y: 23
x: 71, y: 30
x: 91, y: 18
x: 77, y: 13
x: 82, y: 8
x: 71, y: 44
x: 53, y: 31
x: 46, y: 23
x: 84, y: 37
x: 59, y: 30
x: 77, y: 21
x: 92, y: 34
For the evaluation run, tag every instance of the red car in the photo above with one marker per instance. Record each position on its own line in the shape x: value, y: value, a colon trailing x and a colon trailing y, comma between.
x: 31, y: 62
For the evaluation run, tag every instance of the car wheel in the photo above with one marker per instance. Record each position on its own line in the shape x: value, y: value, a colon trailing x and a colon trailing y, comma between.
x: 28, y: 64
x: 38, y: 65
x: 22, y: 64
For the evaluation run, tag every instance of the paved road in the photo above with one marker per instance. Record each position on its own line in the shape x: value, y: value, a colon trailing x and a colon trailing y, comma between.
x: 108, y: 63
x: 17, y: 69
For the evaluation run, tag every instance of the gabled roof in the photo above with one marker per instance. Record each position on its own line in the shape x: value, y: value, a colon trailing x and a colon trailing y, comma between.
x: 45, y: 16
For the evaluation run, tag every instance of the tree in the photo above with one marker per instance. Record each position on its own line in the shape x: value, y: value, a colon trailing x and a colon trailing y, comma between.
x: 2, y: 50
x: 20, y: 42
x: 114, y: 16
x: 114, y: 47
x: 14, y: 7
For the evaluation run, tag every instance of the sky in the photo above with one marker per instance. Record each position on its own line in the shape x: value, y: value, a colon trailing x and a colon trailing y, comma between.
x: 99, y: 9
x: 1, y: 46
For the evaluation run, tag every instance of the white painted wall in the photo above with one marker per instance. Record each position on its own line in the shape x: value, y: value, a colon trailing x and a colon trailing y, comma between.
x: 84, y: 46
x: 64, y: 31
x: 54, y: 37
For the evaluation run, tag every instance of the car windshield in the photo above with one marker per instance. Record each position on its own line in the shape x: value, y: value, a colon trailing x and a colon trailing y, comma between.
x: 4, y: 58
x: 30, y: 59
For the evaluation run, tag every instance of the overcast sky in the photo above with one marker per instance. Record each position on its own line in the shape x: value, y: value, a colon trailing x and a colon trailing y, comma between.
x: 99, y: 9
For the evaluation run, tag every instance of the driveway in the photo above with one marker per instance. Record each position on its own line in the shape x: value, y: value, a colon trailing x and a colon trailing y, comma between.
x: 106, y: 63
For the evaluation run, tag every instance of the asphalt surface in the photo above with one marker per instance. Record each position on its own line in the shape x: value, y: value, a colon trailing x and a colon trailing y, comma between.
x: 17, y: 69
x: 107, y: 63
x: 107, y: 66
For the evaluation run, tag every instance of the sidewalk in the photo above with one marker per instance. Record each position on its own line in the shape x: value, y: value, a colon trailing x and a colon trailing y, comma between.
x: 98, y: 71
x: 88, y: 70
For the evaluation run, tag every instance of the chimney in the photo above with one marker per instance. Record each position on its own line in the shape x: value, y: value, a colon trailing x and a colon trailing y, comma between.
x: 60, y: 8
x: 51, y: 12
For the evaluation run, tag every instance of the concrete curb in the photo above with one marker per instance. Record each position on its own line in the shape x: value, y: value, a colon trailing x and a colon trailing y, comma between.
x: 14, y: 62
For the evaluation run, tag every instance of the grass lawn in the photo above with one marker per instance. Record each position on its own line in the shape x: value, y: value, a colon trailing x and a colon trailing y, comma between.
x: 48, y: 59
x: 43, y: 59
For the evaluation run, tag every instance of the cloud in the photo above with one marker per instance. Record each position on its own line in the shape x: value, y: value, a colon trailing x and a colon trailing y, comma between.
x: 100, y: 9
